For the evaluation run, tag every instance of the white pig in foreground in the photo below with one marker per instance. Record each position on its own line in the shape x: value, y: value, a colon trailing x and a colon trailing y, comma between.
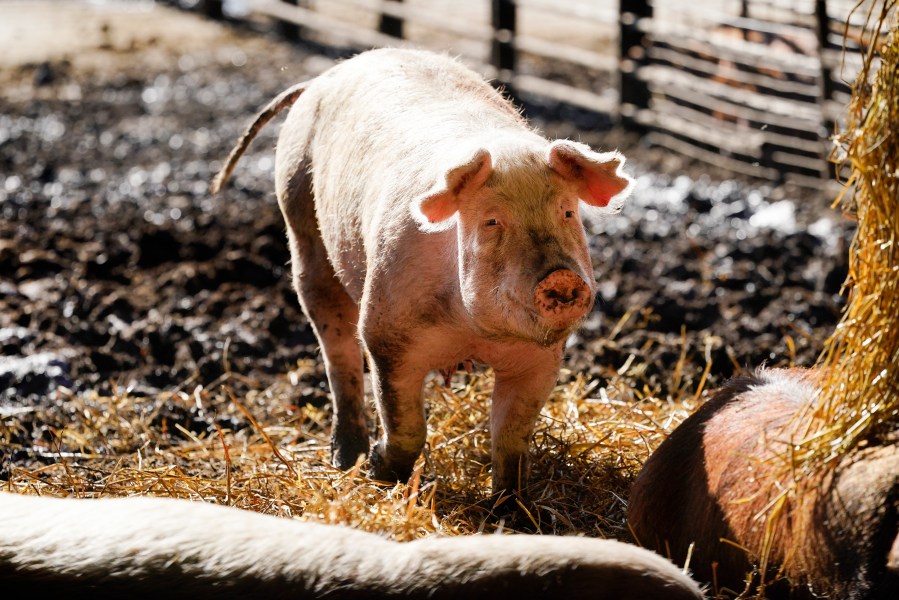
x: 165, y: 549
x: 426, y: 219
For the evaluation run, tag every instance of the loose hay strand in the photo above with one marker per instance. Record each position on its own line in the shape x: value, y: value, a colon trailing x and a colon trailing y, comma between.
x: 262, y: 432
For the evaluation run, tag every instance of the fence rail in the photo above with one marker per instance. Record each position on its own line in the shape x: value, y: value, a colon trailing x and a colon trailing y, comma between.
x: 755, y: 86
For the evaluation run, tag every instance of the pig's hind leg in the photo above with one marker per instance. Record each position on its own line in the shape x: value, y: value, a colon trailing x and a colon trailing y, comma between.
x: 333, y: 316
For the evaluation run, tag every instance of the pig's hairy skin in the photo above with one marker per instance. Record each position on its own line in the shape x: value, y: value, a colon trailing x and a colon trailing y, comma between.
x: 703, y: 489
x: 164, y: 548
x: 387, y: 169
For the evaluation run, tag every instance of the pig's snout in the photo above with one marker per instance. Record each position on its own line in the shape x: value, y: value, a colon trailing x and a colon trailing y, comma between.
x: 563, y: 297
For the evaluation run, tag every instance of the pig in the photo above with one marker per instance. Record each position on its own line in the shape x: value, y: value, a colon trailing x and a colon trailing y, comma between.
x: 164, y: 548
x: 428, y: 226
x: 705, y: 493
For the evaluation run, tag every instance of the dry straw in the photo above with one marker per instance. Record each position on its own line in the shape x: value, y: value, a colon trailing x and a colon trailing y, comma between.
x: 860, y: 394
x: 268, y: 455
x: 859, y: 400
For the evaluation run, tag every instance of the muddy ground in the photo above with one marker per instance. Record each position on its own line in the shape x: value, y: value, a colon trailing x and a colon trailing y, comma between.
x: 118, y: 269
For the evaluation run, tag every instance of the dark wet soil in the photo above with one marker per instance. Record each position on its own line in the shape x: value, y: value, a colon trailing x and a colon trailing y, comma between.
x: 118, y: 268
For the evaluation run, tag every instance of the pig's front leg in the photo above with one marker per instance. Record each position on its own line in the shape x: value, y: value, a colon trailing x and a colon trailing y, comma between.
x: 518, y: 396
x: 398, y: 394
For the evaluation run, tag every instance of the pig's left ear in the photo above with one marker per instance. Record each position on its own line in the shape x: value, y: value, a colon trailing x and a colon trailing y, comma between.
x: 597, y: 175
x: 435, y: 209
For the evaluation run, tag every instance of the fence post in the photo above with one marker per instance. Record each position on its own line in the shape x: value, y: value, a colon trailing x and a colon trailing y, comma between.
x: 212, y: 8
x: 634, y: 43
x: 822, y: 22
x: 289, y: 31
x: 390, y: 24
x: 502, y: 56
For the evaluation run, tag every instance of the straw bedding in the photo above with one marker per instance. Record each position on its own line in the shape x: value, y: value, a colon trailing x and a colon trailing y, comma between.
x: 262, y: 454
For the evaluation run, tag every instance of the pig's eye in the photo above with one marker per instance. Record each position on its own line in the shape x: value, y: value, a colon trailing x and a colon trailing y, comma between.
x: 491, y: 223
x: 569, y: 214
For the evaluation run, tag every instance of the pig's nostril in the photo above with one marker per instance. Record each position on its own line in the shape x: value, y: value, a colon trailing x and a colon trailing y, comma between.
x: 565, y: 296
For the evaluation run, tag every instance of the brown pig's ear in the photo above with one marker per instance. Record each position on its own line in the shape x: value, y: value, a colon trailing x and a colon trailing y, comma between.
x: 597, y: 175
x: 434, y: 209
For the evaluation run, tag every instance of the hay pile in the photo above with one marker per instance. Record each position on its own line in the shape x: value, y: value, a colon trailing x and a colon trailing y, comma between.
x: 266, y: 455
x: 859, y: 401
x: 860, y: 398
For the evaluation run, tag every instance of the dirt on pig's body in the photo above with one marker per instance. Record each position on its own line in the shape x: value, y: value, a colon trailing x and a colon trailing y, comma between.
x: 119, y: 269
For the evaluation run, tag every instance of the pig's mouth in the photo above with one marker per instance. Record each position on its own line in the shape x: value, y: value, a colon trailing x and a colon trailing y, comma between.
x: 534, y: 325
x: 553, y: 333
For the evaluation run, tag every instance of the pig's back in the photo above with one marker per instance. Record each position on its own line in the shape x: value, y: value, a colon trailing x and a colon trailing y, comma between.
x: 391, y: 108
x: 408, y: 89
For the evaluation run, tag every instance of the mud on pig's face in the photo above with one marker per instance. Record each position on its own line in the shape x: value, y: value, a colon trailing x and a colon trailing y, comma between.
x: 524, y: 265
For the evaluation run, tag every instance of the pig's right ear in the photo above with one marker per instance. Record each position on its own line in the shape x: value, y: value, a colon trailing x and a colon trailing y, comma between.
x: 598, y: 176
x: 435, y: 209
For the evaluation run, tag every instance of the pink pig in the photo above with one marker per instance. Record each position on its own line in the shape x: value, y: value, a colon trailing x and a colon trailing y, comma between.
x: 429, y: 226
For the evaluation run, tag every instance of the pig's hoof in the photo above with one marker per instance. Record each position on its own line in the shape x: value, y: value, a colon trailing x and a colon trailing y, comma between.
x: 382, y: 469
x: 345, y: 454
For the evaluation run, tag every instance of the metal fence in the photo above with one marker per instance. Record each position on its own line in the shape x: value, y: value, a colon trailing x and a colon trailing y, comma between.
x: 755, y: 86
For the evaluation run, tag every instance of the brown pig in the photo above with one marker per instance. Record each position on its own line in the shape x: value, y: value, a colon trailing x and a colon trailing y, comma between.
x: 427, y: 221
x: 164, y: 548
x: 711, y: 483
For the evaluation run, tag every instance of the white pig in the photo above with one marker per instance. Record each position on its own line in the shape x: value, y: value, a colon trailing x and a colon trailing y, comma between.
x: 427, y: 221
x: 166, y: 549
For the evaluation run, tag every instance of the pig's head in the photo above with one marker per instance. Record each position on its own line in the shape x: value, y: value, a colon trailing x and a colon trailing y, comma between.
x: 524, y: 266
